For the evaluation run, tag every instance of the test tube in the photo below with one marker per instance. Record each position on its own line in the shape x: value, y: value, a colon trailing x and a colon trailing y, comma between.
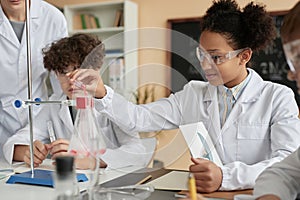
x: 52, y: 135
x: 79, y: 84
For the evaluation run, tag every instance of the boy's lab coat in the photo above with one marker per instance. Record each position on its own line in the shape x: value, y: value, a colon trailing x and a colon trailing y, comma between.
x: 123, y: 149
x: 47, y: 24
x: 262, y: 128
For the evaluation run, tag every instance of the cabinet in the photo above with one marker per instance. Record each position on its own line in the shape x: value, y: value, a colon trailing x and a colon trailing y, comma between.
x: 117, y: 28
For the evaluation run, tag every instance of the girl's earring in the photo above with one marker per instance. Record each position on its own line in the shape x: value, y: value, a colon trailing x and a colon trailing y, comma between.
x: 243, y: 61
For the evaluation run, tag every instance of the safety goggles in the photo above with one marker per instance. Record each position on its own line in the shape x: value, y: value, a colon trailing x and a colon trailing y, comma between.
x: 292, y: 54
x: 217, y: 58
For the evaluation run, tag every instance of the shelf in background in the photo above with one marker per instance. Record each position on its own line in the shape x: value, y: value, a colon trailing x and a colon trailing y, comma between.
x: 99, y: 30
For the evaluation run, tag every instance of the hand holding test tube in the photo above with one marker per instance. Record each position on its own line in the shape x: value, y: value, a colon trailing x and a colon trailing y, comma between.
x: 79, y: 84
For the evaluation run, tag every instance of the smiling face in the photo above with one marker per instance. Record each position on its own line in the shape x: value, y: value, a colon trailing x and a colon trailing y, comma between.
x: 232, y: 71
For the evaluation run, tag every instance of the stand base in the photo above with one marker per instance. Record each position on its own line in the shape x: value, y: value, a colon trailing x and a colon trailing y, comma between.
x: 41, y: 177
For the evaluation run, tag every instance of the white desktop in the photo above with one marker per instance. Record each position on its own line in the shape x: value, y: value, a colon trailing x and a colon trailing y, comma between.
x: 35, y: 192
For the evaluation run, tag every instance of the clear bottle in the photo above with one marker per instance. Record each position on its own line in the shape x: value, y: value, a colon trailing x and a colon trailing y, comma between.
x: 65, y: 181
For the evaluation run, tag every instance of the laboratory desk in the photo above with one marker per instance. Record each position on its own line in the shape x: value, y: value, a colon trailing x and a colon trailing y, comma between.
x: 34, y: 192
x: 108, y: 177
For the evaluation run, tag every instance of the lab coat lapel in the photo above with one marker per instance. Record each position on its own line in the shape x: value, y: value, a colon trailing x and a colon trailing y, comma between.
x: 65, y: 118
x: 61, y: 116
x: 233, y: 116
x: 34, y: 20
x: 213, y: 125
x: 211, y: 99
x: 6, y: 30
x: 35, y: 13
x: 249, y: 95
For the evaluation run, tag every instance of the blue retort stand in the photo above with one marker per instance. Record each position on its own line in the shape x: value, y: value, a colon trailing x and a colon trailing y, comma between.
x: 41, y: 177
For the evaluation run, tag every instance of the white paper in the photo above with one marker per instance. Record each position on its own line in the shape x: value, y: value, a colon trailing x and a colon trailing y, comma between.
x: 175, y: 180
x: 199, y: 142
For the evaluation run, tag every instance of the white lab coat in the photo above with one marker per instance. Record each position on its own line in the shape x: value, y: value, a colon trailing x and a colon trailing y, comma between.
x: 281, y: 179
x: 47, y: 24
x: 123, y: 149
x: 262, y: 128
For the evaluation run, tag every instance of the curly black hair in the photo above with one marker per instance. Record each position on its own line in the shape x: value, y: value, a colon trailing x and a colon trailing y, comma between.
x: 249, y: 27
x: 59, y: 55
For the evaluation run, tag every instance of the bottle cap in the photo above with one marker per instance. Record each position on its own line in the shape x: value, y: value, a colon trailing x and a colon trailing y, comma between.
x: 64, y: 164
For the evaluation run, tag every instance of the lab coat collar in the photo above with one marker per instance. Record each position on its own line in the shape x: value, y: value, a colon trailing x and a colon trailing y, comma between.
x: 253, y: 89
x: 211, y: 93
x: 35, y: 15
x: 65, y: 118
x: 35, y: 9
x: 251, y: 92
x: 211, y: 100
x: 2, y: 15
x: 247, y: 96
x: 6, y: 29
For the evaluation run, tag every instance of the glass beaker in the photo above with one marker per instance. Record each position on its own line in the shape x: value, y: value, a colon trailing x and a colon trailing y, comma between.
x: 65, y: 182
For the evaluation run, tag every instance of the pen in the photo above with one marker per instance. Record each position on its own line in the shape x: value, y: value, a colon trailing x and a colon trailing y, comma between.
x: 51, y: 131
x: 192, y: 187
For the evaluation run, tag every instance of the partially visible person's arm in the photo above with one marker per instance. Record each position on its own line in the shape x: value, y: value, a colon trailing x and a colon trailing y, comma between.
x: 22, y: 153
x: 282, y: 179
x: 21, y: 139
x: 19, y: 152
x: 162, y: 114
